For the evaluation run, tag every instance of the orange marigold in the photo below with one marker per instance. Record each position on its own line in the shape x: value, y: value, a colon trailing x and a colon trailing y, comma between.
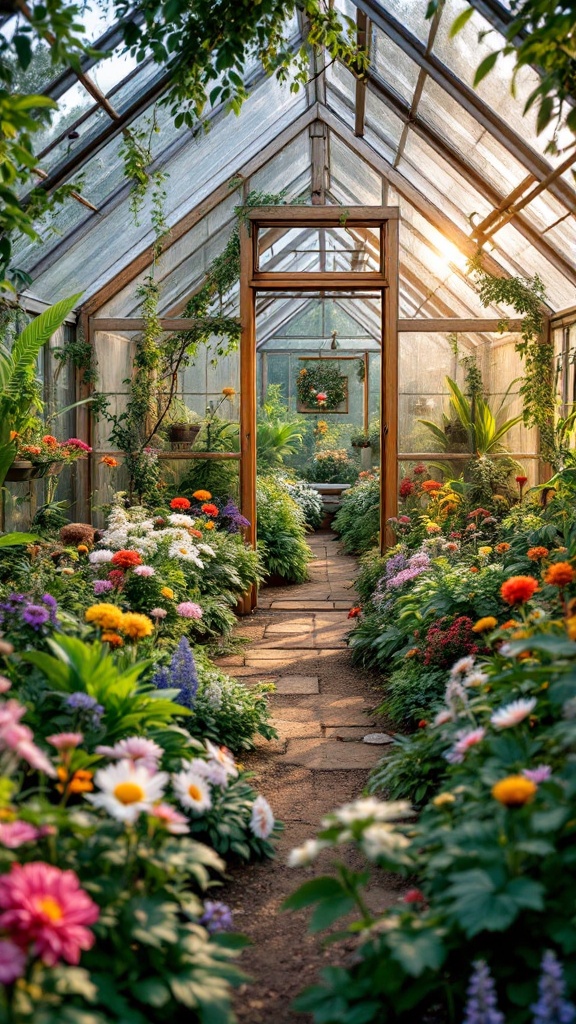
x: 210, y: 510
x: 180, y: 504
x: 202, y: 495
x: 483, y: 625
x: 50, y: 439
x: 82, y: 549
x: 209, y: 526
x: 136, y: 626
x: 193, y: 532
x: 126, y: 559
x: 560, y: 574
x: 509, y: 624
x: 431, y: 485
x: 502, y: 548
x: 518, y: 589
x: 113, y: 639
x: 474, y: 568
x: 537, y: 553
x: 79, y: 782
x: 514, y: 790
x: 108, y: 460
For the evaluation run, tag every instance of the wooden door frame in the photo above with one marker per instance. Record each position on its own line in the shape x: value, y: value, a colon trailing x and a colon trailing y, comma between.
x: 385, y: 281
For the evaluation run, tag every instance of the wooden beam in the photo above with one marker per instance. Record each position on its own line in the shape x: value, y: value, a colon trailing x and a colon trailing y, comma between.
x: 319, y: 160
x: 389, y: 386
x: 327, y: 216
x: 452, y: 325
x: 317, y: 281
x: 248, y: 396
x: 362, y: 29
x: 193, y: 217
x: 134, y: 323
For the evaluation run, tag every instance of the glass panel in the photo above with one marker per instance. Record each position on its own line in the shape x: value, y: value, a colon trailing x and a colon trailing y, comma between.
x: 393, y: 66
x: 346, y: 249
x: 411, y: 14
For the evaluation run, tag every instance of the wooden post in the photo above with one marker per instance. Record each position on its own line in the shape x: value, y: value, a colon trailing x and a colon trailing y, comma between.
x: 248, y: 237
x: 389, y: 385
x: 366, y: 384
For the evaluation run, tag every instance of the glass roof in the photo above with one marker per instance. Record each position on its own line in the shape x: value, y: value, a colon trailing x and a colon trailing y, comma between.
x: 448, y: 155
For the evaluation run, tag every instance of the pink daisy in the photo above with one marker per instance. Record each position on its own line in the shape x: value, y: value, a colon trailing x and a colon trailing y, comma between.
x: 144, y: 570
x: 14, y: 833
x: 137, y: 749
x: 540, y: 774
x: 175, y: 823
x: 66, y: 740
x: 45, y: 908
x: 514, y: 713
x: 464, y: 741
x: 189, y: 610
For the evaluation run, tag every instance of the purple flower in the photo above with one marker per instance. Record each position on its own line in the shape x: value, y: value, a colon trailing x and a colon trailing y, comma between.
x: 406, y: 576
x: 540, y: 774
x: 551, y: 1007
x: 482, y: 1006
x: 88, y: 707
x: 181, y: 675
x: 102, y: 587
x: 36, y: 616
x: 52, y: 605
x: 236, y: 521
x: 395, y: 564
x: 217, y: 917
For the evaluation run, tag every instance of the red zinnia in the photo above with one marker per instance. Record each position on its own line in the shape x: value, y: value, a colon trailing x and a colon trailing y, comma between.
x: 180, y: 504
x: 560, y: 574
x: 521, y: 480
x: 518, y: 589
x: 406, y: 488
x: 419, y: 469
x: 210, y: 510
x: 116, y: 577
x: 126, y: 559
x: 431, y: 485
x: 354, y: 612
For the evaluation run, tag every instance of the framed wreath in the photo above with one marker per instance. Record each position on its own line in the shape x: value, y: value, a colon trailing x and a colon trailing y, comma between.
x: 321, y: 386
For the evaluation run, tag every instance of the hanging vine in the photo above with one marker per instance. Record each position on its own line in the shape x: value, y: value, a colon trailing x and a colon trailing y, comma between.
x: 527, y: 297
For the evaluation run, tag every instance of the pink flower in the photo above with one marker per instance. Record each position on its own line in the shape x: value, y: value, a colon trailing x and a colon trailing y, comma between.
x: 540, y: 774
x: 262, y: 818
x: 464, y: 740
x: 443, y: 717
x: 75, y: 442
x: 5, y: 684
x: 158, y: 613
x: 321, y: 396
x: 136, y: 749
x: 14, y: 833
x: 175, y: 823
x: 189, y: 610
x: 66, y: 740
x: 414, y: 896
x: 12, y: 962
x: 19, y: 739
x: 514, y: 713
x: 144, y: 570
x: 45, y: 908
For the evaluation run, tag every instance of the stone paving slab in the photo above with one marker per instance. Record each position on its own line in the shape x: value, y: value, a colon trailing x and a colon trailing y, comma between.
x: 330, y: 755
x: 287, y: 729
x: 291, y: 625
x: 329, y: 711
x: 302, y: 606
x: 279, y: 642
x: 297, y: 684
x: 350, y: 732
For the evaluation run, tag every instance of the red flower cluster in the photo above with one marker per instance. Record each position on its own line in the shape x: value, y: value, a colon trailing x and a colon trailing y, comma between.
x: 210, y: 510
x: 407, y: 488
x: 354, y: 612
x: 518, y: 589
x: 116, y: 577
x: 180, y: 504
x: 446, y: 641
x: 126, y: 559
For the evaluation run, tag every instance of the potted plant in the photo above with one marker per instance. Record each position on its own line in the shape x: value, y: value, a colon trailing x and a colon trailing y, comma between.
x: 20, y: 389
x: 361, y: 439
x: 182, y: 423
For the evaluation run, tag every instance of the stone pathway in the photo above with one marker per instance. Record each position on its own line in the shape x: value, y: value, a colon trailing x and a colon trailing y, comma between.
x: 321, y: 711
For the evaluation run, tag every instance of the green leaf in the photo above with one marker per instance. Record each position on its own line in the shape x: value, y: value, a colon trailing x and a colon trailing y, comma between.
x: 317, y: 889
x: 329, y: 910
x: 459, y: 22
x: 485, y: 67
x: 417, y: 952
x: 152, y: 991
x: 10, y: 540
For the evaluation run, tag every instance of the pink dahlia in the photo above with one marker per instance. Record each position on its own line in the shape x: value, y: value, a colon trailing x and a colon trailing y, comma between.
x: 189, y: 610
x: 540, y: 774
x: 514, y: 713
x: 464, y: 740
x: 5, y: 684
x: 12, y: 962
x: 45, y: 908
x: 136, y: 749
x: 19, y: 739
x: 14, y: 833
x: 75, y: 442
x: 66, y: 740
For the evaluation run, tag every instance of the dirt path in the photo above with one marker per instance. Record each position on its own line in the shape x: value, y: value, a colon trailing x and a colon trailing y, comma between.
x: 320, y: 710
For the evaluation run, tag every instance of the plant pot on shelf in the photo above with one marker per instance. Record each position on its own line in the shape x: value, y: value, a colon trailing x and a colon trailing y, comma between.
x: 22, y: 469
x: 183, y: 433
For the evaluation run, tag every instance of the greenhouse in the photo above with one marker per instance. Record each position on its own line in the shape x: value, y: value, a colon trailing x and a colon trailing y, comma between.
x: 287, y: 512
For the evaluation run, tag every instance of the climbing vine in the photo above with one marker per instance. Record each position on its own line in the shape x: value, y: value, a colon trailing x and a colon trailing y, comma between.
x: 527, y: 297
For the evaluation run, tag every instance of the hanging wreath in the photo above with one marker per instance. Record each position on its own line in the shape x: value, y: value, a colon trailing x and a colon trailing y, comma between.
x: 320, y: 385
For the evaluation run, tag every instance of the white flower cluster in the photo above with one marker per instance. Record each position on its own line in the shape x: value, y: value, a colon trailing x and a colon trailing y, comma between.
x: 369, y: 820
x: 134, y: 529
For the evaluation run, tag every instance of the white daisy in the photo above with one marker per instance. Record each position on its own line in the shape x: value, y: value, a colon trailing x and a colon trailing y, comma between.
x: 211, y: 770
x: 300, y: 856
x: 177, y: 519
x: 192, y: 791
x: 443, y: 717
x: 127, y: 790
x: 380, y: 840
x: 207, y: 550
x: 101, y: 556
x: 514, y: 713
x: 186, y: 552
x: 223, y: 757
x: 475, y: 678
x: 370, y: 807
x: 262, y: 818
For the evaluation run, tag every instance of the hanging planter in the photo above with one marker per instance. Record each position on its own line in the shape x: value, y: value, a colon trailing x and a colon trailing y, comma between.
x: 183, y: 433
x: 22, y: 469
x: 321, y: 387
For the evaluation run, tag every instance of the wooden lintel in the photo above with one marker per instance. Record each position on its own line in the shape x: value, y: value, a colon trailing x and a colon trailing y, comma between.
x: 106, y: 323
x: 312, y: 282
x: 328, y: 216
x: 454, y: 325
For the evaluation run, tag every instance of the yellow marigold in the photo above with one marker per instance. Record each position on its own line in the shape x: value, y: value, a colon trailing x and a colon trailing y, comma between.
x: 443, y: 799
x: 107, y: 616
x: 514, y: 791
x: 136, y: 626
x: 571, y: 627
x: 82, y: 549
x: 228, y: 392
x: 450, y: 508
x: 412, y: 652
x: 486, y: 550
x: 114, y: 639
x: 433, y: 528
x: 483, y: 625
x: 520, y: 634
x: 208, y: 526
x: 167, y: 592
x: 202, y: 495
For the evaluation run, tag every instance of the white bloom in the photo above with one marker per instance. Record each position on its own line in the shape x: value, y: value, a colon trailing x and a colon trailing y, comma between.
x: 537, y: 614
x: 514, y: 713
x: 186, y: 552
x: 101, y: 556
x: 300, y: 856
x: 145, y: 570
x: 443, y: 717
x: 207, y: 550
x: 223, y: 757
x: 117, y: 539
x: 262, y: 818
x: 370, y: 807
x: 462, y: 665
x: 211, y: 770
x: 465, y: 739
x: 381, y: 840
x: 177, y: 519
x: 192, y: 791
x: 475, y: 678
x: 127, y: 790
x: 504, y: 650
x: 137, y: 749
x: 213, y: 695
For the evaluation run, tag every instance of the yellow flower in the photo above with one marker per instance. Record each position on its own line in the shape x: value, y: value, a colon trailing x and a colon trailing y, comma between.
x: 136, y: 626
x: 107, y: 616
x: 514, y: 791
x: 483, y: 625
x: 571, y: 627
x: 208, y: 526
x: 229, y: 392
x: 202, y: 495
x: 167, y: 592
x: 82, y: 549
x: 443, y: 799
x: 113, y: 639
x: 485, y: 551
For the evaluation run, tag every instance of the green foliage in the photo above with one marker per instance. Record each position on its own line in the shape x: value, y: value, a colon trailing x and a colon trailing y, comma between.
x: 477, y: 420
x: 411, y: 691
x: 357, y: 521
x: 281, y: 532
x: 227, y: 711
x: 321, y: 377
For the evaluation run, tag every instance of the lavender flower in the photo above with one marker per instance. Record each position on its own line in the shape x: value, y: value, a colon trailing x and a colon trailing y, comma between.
x: 181, y: 675
x: 52, y: 605
x: 88, y: 708
x: 540, y: 774
x: 36, y: 616
x: 482, y: 1006
x: 551, y: 1007
x: 217, y: 916
x: 102, y: 587
x: 236, y: 521
x: 395, y: 564
x: 406, y: 576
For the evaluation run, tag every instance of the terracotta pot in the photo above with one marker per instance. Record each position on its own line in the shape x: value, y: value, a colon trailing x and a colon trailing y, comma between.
x: 21, y: 470
x: 183, y: 433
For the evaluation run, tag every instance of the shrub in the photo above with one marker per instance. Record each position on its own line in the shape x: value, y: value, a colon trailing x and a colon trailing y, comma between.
x: 281, y: 532
x: 358, y: 518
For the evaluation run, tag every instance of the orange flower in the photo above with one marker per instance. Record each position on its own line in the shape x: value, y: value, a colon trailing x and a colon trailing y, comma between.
x: 518, y: 589
x: 228, y: 392
x: 79, y: 782
x: 127, y: 559
x: 113, y: 639
x: 502, y: 548
x: 474, y: 568
x: 412, y: 652
x: 560, y: 574
x: 180, y: 504
x: 514, y: 791
x: 49, y: 439
x: 431, y: 485
x: 509, y: 624
x: 82, y: 549
x: 193, y: 532
x: 202, y: 495
x: 13, y: 435
x: 107, y: 460
x: 208, y: 526
x: 535, y: 554
x: 488, y: 622
x: 210, y: 510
